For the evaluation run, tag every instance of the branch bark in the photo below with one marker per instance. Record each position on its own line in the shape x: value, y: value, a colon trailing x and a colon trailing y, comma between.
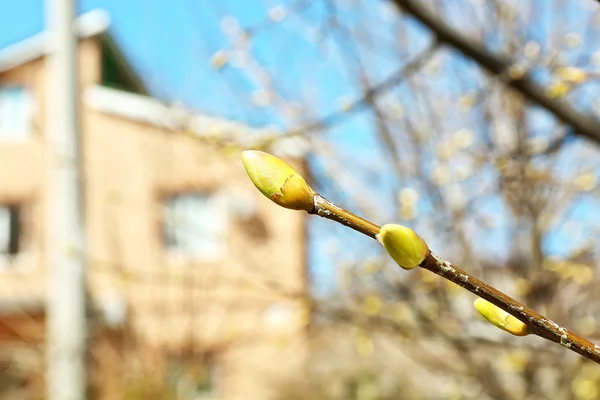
x: 583, y: 124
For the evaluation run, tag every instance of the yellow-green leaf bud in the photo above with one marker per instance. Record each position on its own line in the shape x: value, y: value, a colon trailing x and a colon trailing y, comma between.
x: 277, y: 180
x: 404, y: 245
x: 501, y: 318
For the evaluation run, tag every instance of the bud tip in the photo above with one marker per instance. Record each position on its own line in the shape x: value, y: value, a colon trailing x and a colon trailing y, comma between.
x: 403, y: 245
x: 501, y: 318
x: 277, y: 180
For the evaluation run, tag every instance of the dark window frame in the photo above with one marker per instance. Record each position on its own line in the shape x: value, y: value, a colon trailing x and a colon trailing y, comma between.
x: 15, y: 229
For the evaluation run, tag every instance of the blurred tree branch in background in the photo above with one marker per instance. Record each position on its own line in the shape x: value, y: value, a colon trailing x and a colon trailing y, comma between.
x: 511, y: 73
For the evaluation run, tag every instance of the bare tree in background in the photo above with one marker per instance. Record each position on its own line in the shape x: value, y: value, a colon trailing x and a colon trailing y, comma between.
x: 482, y: 122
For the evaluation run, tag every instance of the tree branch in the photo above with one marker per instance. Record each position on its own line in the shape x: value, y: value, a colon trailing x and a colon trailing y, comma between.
x: 583, y: 124
x: 540, y: 325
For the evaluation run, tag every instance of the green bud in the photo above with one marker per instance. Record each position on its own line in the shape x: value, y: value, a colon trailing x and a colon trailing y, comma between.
x: 404, y: 245
x: 501, y: 318
x: 277, y: 180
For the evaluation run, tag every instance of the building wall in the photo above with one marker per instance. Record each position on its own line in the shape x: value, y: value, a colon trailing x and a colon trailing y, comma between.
x: 243, y: 303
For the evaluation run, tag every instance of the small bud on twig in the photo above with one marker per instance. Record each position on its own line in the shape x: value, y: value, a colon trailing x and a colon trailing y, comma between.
x: 501, y: 318
x: 278, y: 181
x: 404, y: 245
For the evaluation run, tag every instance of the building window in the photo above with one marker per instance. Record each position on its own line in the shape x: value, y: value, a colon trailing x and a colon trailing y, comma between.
x: 194, y: 377
x: 194, y: 225
x: 10, y: 231
x: 16, y: 113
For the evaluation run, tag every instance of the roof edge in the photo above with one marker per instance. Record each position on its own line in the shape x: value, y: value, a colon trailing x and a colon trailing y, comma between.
x: 151, y: 111
x: 87, y: 25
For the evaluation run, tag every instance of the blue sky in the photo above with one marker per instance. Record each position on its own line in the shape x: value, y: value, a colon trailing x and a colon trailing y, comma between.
x: 169, y: 43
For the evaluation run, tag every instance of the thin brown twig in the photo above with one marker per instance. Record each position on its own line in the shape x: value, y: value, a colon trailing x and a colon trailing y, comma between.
x: 327, y: 209
x: 539, y: 325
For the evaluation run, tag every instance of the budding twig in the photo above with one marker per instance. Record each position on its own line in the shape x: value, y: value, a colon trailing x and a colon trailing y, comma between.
x: 540, y: 325
x: 536, y: 323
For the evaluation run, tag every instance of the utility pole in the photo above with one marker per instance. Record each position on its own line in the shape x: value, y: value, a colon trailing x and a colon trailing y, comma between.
x: 66, y: 346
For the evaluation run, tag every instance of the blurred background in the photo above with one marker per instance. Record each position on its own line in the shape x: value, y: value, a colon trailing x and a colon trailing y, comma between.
x: 136, y: 253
